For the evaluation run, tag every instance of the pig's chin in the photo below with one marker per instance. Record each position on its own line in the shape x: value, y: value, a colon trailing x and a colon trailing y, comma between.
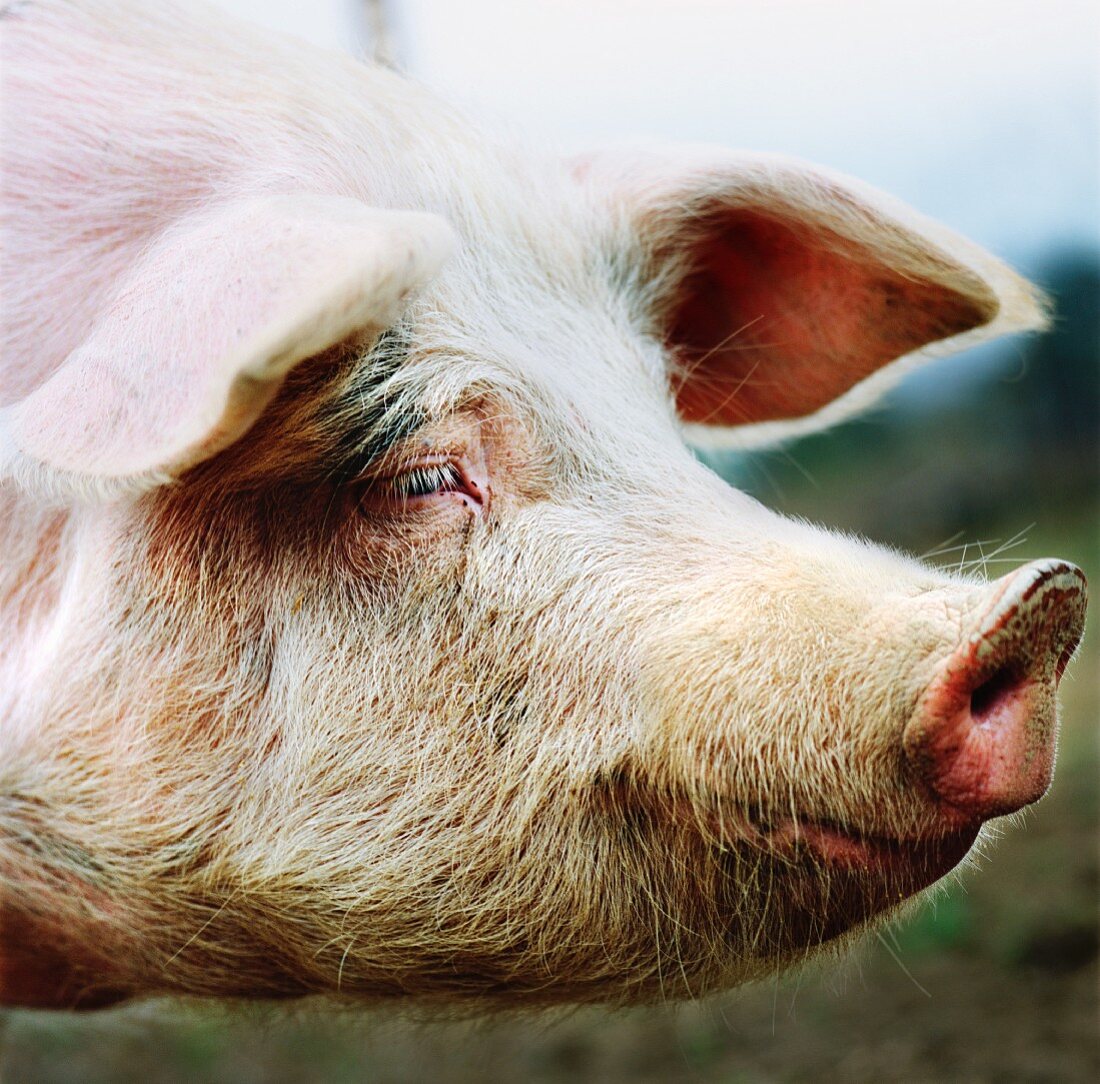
x: 825, y: 879
x: 838, y: 879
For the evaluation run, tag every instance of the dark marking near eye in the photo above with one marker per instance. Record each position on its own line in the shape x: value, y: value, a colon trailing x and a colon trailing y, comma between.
x: 504, y: 709
x: 368, y: 421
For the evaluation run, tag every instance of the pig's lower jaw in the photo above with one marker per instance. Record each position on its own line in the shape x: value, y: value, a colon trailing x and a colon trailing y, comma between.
x: 838, y: 880
x: 833, y: 849
x: 824, y: 879
x: 920, y: 861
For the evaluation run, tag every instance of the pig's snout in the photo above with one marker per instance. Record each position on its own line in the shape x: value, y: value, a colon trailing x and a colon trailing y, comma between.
x: 983, y: 735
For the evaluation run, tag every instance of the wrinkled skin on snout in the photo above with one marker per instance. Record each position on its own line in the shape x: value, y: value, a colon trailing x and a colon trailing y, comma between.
x: 369, y: 627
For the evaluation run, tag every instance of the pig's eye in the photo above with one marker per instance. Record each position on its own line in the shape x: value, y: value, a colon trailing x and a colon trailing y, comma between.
x: 431, y: 480
x: 425, y: 480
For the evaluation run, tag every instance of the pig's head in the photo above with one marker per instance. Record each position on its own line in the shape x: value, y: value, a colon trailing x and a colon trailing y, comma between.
x: 369, y: 626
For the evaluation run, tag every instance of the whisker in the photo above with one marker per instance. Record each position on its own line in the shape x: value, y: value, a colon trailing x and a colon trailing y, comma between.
x: 898, y: 960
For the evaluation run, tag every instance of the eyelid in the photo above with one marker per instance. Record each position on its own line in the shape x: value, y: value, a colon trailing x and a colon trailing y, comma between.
x: 411, y: 481
x: 424, y: 461
x: 400, y: 460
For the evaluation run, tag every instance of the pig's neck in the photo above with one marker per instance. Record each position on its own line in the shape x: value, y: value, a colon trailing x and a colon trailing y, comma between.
x: 33, y: 560
x: 43, y: 960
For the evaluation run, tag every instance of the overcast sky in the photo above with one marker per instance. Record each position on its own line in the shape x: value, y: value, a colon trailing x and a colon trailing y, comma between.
x: 983, y: 113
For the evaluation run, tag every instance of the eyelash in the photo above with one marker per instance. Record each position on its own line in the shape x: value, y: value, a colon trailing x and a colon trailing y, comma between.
x: 425, y: 480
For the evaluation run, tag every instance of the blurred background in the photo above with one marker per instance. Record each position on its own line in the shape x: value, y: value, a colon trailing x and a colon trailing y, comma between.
x: 983, y: 114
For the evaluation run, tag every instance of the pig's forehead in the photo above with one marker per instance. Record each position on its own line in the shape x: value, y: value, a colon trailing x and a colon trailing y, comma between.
x: 562, y: 355
x: 543, y: 290
x: 544, y: 295
x: 539, y: 311
x: 570, y: 373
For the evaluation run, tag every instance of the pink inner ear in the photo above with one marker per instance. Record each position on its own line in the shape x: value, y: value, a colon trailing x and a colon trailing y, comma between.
x: 776, y: 320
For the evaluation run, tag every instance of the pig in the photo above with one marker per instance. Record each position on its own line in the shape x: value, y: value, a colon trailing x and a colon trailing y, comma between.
x: 369, y: 628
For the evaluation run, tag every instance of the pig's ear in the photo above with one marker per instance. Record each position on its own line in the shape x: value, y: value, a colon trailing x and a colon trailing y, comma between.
x: 785, y: 293
x: 203, y: 330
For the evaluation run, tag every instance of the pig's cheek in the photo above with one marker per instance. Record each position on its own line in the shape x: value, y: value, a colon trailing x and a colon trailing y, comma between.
x: 385, y: 549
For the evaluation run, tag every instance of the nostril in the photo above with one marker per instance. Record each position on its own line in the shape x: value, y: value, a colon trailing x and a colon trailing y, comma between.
x: 995, y: 693
x: 982, y: 736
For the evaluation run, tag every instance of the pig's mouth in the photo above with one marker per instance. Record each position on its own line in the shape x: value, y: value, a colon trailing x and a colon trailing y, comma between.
x: 836, y: 879
x: 900, y: 865
x: 917, y: 861
x: 823, y: 878
x: 792, y: 882
x: 840, y: 876
x: 888, y: 866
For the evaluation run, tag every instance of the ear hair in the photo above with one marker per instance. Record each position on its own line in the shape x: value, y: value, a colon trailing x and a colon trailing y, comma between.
x: 789, y: 295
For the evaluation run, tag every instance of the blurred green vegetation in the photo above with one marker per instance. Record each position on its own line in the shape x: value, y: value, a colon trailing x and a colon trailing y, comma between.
x: 996, y: 980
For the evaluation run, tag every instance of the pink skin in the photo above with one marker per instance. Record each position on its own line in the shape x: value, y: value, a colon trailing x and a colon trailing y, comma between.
x: 981, y: 741
x: 983, y: 737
